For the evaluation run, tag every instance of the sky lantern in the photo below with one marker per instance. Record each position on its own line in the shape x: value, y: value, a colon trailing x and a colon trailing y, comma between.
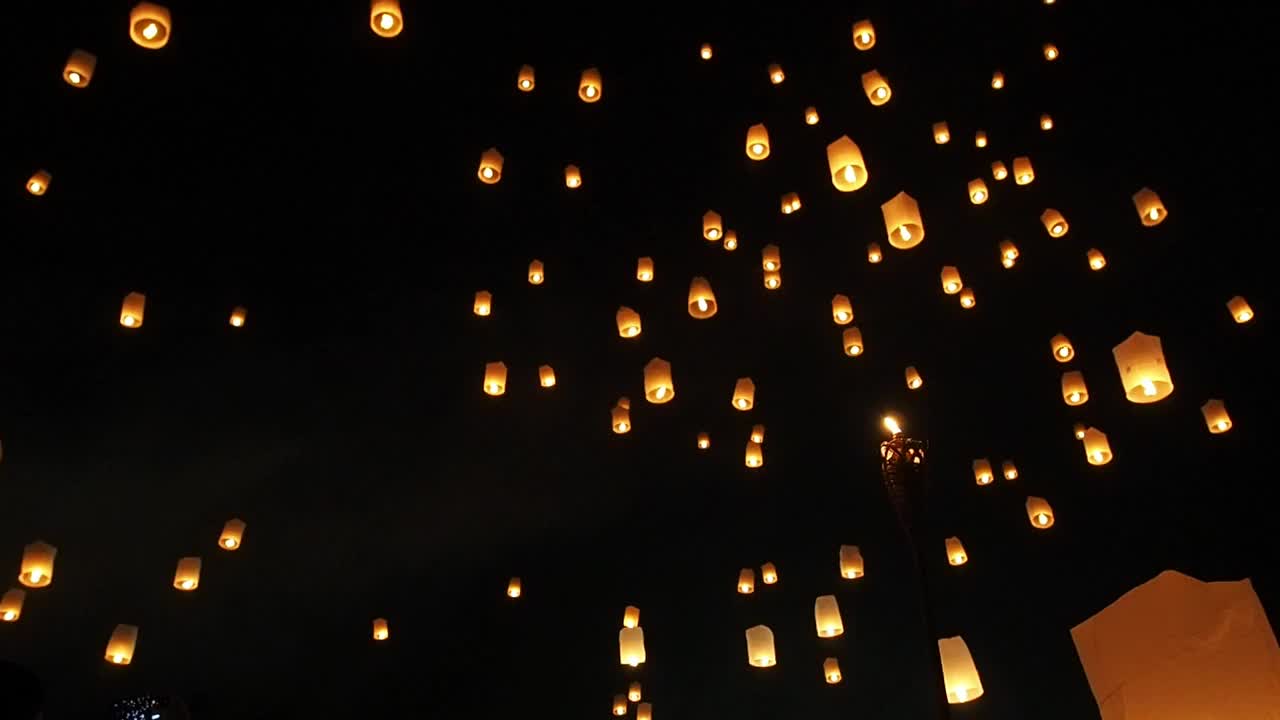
x: 951, y: 282
x: 149, y: 24
x: 760, y: 652
x: 1096, y: 259
x: 811, y: 115
x: 1009, y: 469
x: 644, y: 269
x: 131, y: 310
x: 902, y: 221
x: 746, y: 581
x: 848, y: 169
x: 851, y: 340
x: 1046, y: 122
x: 876, y: 88
x: 705, y: 52
x: 11, y: 605
x: 757, y: 433
x: 37, y: 564
x: 631, y: 617
x: 1096, y: 448
x: 122, y: 644
x: 590, y: 86
x: 864, y: 35
x: 1078, y: 430
x: 238, y: 314
x: 490, y: 170
x: 633, y: 692
x: 620, y: 417
x: 619, y: 705
x: 380, y: 629
x: 1150, y: 210
x: 772, y: 279
x: 1074, y: 391
x: 1023, y: 173
x: 955, y: 552
x: 546, y: 376
x: 851, y: 564
x: 754, y: 456
x: 514, y: 588
x: 826, y: 616
x: 704, y: 441
x: 997, y: 80
x: 1008, y: 253
x: 941, y: 135
x: 1054, y: 223
x: 982, y: 471
x: 385, y: 18
x: 999, y: 171
x: 1039, y: 513
x: 769, y: 573
x: 1215, y: 416
x: 187, y: 576
x: 789, y: 203
x: 702, y: 302
x: 1050, y: 52
x: 873, y: 253
x: 1239, y: 309
x: 914, y: 381
x: 536, y: 273
x: 631, y: 646
x: 659, y: 388
x: 831, y: 670
x: 644, y: 711
x: 1062, y: 349
x: 628, y: 321
x: 980, y: 139
x: 744, y: 394
x: 79, y: 68
x: 967, y: 298
x: 978, y: 191
x: 38, y: 183
x: 572, y: 177
x: 232, y: 534
x: 712, y: 226
x: 841, y: 310
x: 776, y: 76
x: 495, y: 378
x: 757, y: 142
x: 730, y: 240
x: 524, y: 78
x: 770, y: 257
x: 1143, y: 372
x: 960, y: 675
x: 483, y: 304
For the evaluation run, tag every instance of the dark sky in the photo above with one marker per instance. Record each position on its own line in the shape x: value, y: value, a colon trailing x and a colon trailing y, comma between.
x: 281, y: 157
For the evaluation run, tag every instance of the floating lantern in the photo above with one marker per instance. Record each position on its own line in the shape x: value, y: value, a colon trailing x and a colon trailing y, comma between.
x: 999, y: 171
x: 841, y: 310
x: 980, y: 139
x: 1096, y: 448
x: 513, y: 588
x: 620, y: 417
x: 955, y: 552
x: 1150, y: 210
x: 768, y: 573
x: 631, y: 617
x: 1046, y: 122
x: 659, y: 388
x: 1097, y: 260
x: 967, y: 299
x: 644, y: 269
x: 705, y: 51
x: 1143, y: 372
x: 1039, y: 513
x: 536, y: 274
x: 546, y: 376
x: 628, y: 322
x: 848, y: 169
x: 187, y: 576
x: 590, y: 86
x: 633, y: 692
x: 572, y: 177
x: 770, y: 257
x: 873, y: 253
x: 38, y: 183
x: 776, y: 76
x: 851, y: 565
x: 757, y: 142
x: 1062, y: 349
x: 730, y: 240
x: 1023, y: 173
x: 864, y: 35
x: 997, y: 80
x: 149, y: 24
x: 1240, y: 310
x: 1074, y: 391
x: 238, y: 315
x: 789, y: 203
x: 79, y: 68
x: 483, y: 304
x: 232, y: 534
x: 760, y: 652
x: 914, y: 381
x: 746, y: 581
x: 1050, y: 52
x: 1009, y: 469
x: 941, y: 135
x: 744, y: 394
x: 385, y: 18
x: 704, y: 441
x: 11, y: 605
x: 524, y: 78
x: 978, y: 191
x: 826, y: 615
x: 757, y: 433
x: 702, y: 302
x: 644, y: 711
x: 831, y: 670
x: 631, y: 647
x: 131, y: 310
x: 37, y: 564
x: 772, y: 279
x: 811, y: 115
x: 1054, y: 223
x: 902, y: 221
x: 754, y: 456
x: 490, y: 170
x: 951, y: 282
x: 959, y: 674
x: 1215, y: 416
x: 619, y: 705
x: 380, y: 629
x: 495, y: 378
x: 876, y: 88
x: 122, y: 644
x: 982, y: 471
x: 712, y: 227
x: 852, y: 342
x: 1008, y: 253
x: 1078, y: 430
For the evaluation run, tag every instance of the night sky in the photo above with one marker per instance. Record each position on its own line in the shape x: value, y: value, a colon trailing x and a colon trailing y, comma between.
x: 282, y: 157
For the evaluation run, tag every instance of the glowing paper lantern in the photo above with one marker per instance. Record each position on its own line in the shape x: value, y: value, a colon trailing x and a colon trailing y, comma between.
x: 757, y: 433
x: 769, y: 574
x: 873, y: 253
x: 619, y: 705
x: 754, y: 456
x: 385, y: 18
x: 967, y: 298
x: 746, y: 581
x: 536, y: 273
x: 770, y: 257
x: 238, y: 316
x: 1050, y: 52
x: 1023, y: 173
x: 644, y: 711
x: 959, y: 674
x: 514, y: 588
x: 776, y: 76
x: 590, y: 86
x: 760, y: 652
x: 848, y: 169
x: 1078, y: 431
x: 914, y: 381
x: 659, y: 388
x: 1096, y: 448
x: 704, y: 441
x: 980, y: 139
x: 730, y: 240
x: 811, y: 115
x: 11, y: 605
x: 705, y: 51
x: 1143, y: 372
x: 831, y: 670
x: 38, y: 183
x: 1097, y: 260
x: 978, y: 191
x: 712, y: 226
x: 380, y: 629
x: 841, y: 310
x: 37, y: 564
x: 1008, y: 253
x: 902, y: 221
x: 232, y: 534
x: 789, y: 203
x: 546, y: 376
x: 851, y: 564
x: 1239, y: 309
x: 757, y: 142
x: 1074, y: 391
x: 1054, y: 223
x: 187, y: 576
x: 951, y: 282
x: 1009, y: 469
x: 490, y: 170
x: 744, y: 394
x: 702, y: 302
x: 620, y: 417
x: 1062, y: 349
x: 631, y: 617
x: 851, y: 340
x: 631, y: 646
x: 826, y: 616
x: 633, y: 692
x: 131, y: 310
x: 1150, y: 210
x: 149, y: 25
x: 495, y: 378
x: 999, y: 171
x: 1039, y: 513
x: 864, y: 35
x: 982, y: 471
x: 644, y: 269
x: 997, y: 80
x: 628, y: 321
x: 1046, y: 122
x: 876, y: 88
x: 572, y: 177
x: 524, y: 78
x: 941, y: 135
x: 1215, y: 416
x: 955, y: 552
x: 483, y: 304
x: 122, y: 644
x: 79, y: 68
x: 772, y: 279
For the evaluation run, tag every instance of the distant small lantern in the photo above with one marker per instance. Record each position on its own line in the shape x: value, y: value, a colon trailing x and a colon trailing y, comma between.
x: 590, y: 86
x: 536, y: 273
x: 776, y: 76
x: 644, y: 269
x: 730, y: 240
x: 1096, y: 259
x: 1074, y: 391
x: 831, y: 671
x: 757, y: 433
x: 659, y: 388
x: 633, y: 692
x: 524, y: 78
x: 1008, y: 253
x: 1150, y: 210
x: 631, y: 646
x: 1050, y: 52
x: 864, y: 35
x: 619, y: 705
x: 876, y: 88
x: 951, y: 282
x: 982, y: 471
x: 826, y: 616
x: 514, y: 588
x: 967, y: 298
x: 232, y: 534
x: 769, y: 574
x: 1143, y: 372
x: 631, y: 617
x: 770, y: 257
x: 380, y: 629
x: 941, y: 135
x: 848, y: 169
x: 546, y: 376
x: 980, y: 139
x: 873, y: 253
x: 1096, y: 448
x: 1023, y: 173
x: 760, y: 652
x: 79, y: 68
x: 238, y: 314
x: 36, y: 570
x: 644, y: 711
x: 978, y: 191
x: 122, y: 644
x: 385, y: 18
x: 1046, y: 122
x: 999, y: 171
x: 772, y: 279
x: 483, y: 304
x: 1215, y: 416
x: 704, y: 441
x: 702, y: 302
x: 131, y: 310
x: 811, y: 115
x: 914, y: 381
x: 746, y: 581
x: 712, y: 226
x: 1039, y: 513
x: 955, y: 552
x: 572, y: 177
x: 754, y: 455
x: 757, y: 142
x: 149, y: 24
x: 38, y: 183
x: 851, y: 340
x: 1239, y: 309
x: 851, y: 564
x: 1078, y: 431
x: 1009, y: 469
x: 1062, y: 349
x: 495, y: 378
x: 628, y: 321
x: 187, y: 576
x: 11, y: 605
x: 997, y: 80
x: 1054, y: 223
x: 620, y: 417
x: 789, y: 203
x: 960, y: 675
x: 902, y: 221
x: 841, y: 310
x: 490, y: 170
x: 744, y: 394
x: 705, y: 51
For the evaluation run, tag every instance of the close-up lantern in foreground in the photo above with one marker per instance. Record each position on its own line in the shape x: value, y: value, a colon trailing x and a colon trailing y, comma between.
x: 385, y: 18
x: 959, y: 673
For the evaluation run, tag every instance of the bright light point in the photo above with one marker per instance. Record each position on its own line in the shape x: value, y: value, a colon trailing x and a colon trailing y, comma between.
x: 36, y: 187
x: 702, y: 304
x: 386, y: 21
x: 525, y: 84
x: 864, y: 38
x: 962, y: 693
x: 850, y: 174
x: 1148, y: 388
x: 1097, y: 455
x: 187, y: 584
x: 229, y: 543
x: 1024, y: 178
x: 1058, y: 229
x: 1154, y: 214
x: 1042, y: 519
x: 1074, y: 397
x: 777, y: 78
x: 979, y: 196
x: 1222, y: 424
x: 150, y: 31
x: 36, y: 576
x: 591, y: 91
x: 713, y: 233
x: 842, y: 316
x: 1245, y: 316
x: 951, y: 287
x: 74, y: 77
x: 661, y: 393
x: 757, y: 148
x: 880, y: 93
x: 487, y: 172
x: 874, y: 257
x: 891, y: 424
x: 1007, y: 262
x: 128, y: 320
x: 915, y: 384
x: 646, y: 276
x: 855, y: 349
x: 742, y: 403
x: 9, y: 615
x: 1064, y: 351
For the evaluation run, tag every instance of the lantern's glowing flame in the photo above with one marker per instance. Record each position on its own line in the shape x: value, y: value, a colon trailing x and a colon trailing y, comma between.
x: 891, y: 424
